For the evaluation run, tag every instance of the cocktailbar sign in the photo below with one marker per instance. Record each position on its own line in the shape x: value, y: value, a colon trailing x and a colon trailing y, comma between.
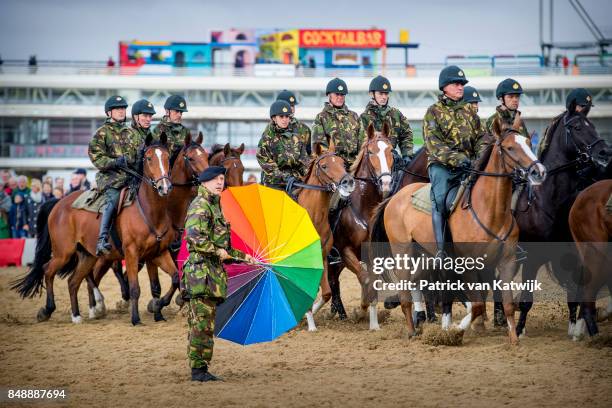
x: 342, y: 38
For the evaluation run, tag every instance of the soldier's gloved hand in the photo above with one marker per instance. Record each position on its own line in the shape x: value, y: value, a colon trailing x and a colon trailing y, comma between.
x: 465, y: 164
x: 290, y: 180
x: 222, y: 254
x: 120, y: 162
x: 249, y: 259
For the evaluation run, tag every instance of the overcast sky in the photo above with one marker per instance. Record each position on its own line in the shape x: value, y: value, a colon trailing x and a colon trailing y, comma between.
x: 91, y: 30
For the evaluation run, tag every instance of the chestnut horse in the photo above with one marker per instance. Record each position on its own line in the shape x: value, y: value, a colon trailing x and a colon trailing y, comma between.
x: 229, y: 158
x: 326, y: 175
x: 590, y: 221
x: 187, y: 165
x: 142, y: 227
x: 485, y: 219
x: 372, y: 174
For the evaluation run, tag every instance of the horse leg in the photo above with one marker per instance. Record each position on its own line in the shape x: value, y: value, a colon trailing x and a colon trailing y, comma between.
x: 153, y: 305
x: 406, y: 304
x: 93, y: 280
x: 447, y: 314
x: 334, y: 285
x: 96, y: 300
x: 507, y: 270
x: 54, y: 265
x: 84, y: 266
x: 131, y: 263
x: 166, y: 263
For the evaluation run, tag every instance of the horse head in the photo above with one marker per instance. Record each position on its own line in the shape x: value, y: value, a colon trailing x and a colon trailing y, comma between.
x: 375, y: 160
x: 229, y: 157
x: 582, y: 142
x: 515, y: 151
x: 190, y: 162
x: 156, y: 164
x: 329, y: 170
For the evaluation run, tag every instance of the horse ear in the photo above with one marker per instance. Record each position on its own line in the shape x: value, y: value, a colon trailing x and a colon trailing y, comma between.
x: 188, y: 139
x: 163, y: 138
x: 318, y: 150
x: 227, y: 149
x: 386, y: 129
x: 149, y: 139
x: 241, y: 148
x: 496, y: 128
x: 332, y: 145
x: 370, y: 131
x: 200, y: 138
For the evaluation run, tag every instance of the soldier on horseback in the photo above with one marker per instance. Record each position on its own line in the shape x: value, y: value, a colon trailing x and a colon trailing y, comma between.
x: 171, y: 124
x: 378, y: 112
x: 112, y: 149
x: 509, y: 93
x: 453, y: 138
x: 300, y: 126
x: 281, y: 151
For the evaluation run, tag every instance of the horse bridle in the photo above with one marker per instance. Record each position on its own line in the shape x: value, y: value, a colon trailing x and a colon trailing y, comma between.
x: 584, y: 155
x: 194, y: 174
x: 330, y: 187
x: 372, y: 177
x: 148, y: 180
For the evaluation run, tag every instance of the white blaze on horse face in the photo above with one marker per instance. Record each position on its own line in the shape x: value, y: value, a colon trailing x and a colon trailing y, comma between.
x: 199, y: 152
x: 384, y: 166
x: 522, y: 141
x: 158, y: 153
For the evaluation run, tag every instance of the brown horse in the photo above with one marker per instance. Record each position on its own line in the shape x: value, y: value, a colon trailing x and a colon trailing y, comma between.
x: 229, y: 158
x: 591, y: 224
x: 372, y: 174
x: 485, y: 219
x: 143, y: 229
x: 326, y: 175
x: 189, y: 162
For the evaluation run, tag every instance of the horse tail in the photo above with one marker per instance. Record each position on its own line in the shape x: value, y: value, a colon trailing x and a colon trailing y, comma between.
x: 378, y: 233
x: 32, y: 283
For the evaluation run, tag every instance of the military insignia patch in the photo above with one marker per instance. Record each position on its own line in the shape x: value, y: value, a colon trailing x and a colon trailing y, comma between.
x: 475, y: 95
x: 118, y: 98
x: 515, y: 86
x: 460, y: 73
x: 340, y: 87
x: 385, y: 86
x: 292, y: 99
x: 285, y: 110
x: 588, y: 98
x: 150, y: 105
x: 181, y: 104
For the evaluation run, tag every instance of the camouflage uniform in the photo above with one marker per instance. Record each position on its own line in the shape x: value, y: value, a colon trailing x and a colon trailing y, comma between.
x: 105, y: 147
x: 398, y: 124
x: 507, y: 117
x: 281, y: 153
x: 343, y: 127
x: 453, y: 136
x: 303, y: 130
x: 204, y: 280
x: 175, y: 132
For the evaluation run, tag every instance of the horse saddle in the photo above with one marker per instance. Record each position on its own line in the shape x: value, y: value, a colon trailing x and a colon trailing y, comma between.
x: 93, y: 200
x: 421, y: 199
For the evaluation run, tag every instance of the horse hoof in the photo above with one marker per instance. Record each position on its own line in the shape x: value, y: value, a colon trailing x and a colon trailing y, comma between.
x: 136, y: 322
x: 100, y: 309
x: 122, y: 305
x: 342, y: 316
x: 42, y: 315
x: 179, y: 300
x: 153, y: 306
x: 312, y: 329
x: 76, y: 319
x: 158, y: 317
x: 375, y: 327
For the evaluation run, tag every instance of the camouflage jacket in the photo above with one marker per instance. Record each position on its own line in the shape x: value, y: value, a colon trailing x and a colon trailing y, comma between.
x: 302, y: 130
x: 175, y: 132
x: 507, y: 117
x: 343, y: 126
x: 400, y: 129
x: 452, y: 132
x: 111, y: 141
x: 206, y: 231
x: 282, y: 153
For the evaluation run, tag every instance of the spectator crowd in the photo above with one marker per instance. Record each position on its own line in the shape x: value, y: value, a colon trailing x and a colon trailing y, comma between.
x: 21, y: 198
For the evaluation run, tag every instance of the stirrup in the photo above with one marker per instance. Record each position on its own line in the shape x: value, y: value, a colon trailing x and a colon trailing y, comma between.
x: 334, y: 258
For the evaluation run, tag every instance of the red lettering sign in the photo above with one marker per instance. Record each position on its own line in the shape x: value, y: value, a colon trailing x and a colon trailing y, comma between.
x: 342, y: 38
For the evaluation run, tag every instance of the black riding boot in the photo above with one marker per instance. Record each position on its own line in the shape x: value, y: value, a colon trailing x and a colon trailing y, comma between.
x: 202, y: 374
x: 439, y: 226
x: 104, y: 247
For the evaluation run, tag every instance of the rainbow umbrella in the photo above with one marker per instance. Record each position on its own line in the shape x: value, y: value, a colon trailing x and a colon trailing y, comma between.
x: 268, y: 298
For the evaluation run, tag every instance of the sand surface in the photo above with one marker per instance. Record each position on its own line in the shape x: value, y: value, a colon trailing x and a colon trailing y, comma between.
x: 109, y: 363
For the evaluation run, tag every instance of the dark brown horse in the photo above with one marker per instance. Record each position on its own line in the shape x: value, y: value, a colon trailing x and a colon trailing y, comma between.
x: 144, y: 229
x: 189, y: 162
x: 485, y: 219
x: 591, y: 224
x: 575, y: 157
x: 229, y: 158
x: 326, y: 175
x: 372, y: 174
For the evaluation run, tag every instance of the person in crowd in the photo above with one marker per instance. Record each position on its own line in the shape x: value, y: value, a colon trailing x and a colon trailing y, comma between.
x: 22, y: 187
x: 33, y: 202
x: 18, y: 217
x: 58, y: 193
x: 47, y: 192
x: 5, y: 209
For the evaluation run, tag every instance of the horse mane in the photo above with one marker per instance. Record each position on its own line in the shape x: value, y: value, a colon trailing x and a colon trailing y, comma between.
x: 483, y: 160
x: 544, y: 142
